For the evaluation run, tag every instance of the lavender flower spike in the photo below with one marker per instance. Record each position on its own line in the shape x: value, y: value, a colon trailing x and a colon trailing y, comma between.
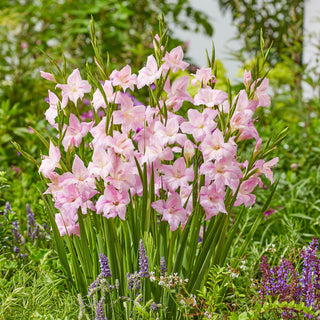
x: 143, y: 261
x: 31, y: 222
x: 7, y: 208
x: 163, y: 267
x: 99, y: 310
x: 104, y: 266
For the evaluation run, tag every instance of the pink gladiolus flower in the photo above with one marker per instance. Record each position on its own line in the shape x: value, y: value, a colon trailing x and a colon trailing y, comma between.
x: 131, y: 117
x: 203, y: 75
x: 261, y: 93
x: 171, y: 210
x: 75, y: 87
x: 122, y: 175
x: 149, y: 73
x: 123, y: 78
x: 199, y: 124
x: 213, y: 147
x: 99, y: 134
x: 113, y: 203
x: 176, y: 175
x: 212, y: 201
x: 75, y: 132
x: 225, y: 172
x: 100, y: 165
x: 52, y: 111
x: 98, y: 100
x: 47, y: 76
x: 66, y: 223
x: 244, y: 195
x: 173, y: 60
x: 210, y: 97
x: 178, y: 93
x: 49, y: 163
x: 169, y: 133
x: 265, y: 167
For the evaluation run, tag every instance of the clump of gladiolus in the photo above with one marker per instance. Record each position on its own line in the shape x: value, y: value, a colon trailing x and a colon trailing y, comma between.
x: 123, y: 135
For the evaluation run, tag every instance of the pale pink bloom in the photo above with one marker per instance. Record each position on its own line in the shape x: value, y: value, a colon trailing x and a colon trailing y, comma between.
x: 98, y: 100
x: 261, y: 93
x: 173, y: 60
x: 199, y: 124
x: 213, y: 147
x: 176, y: 175
x: 75, y: 132
x: 177, y: 93
x: 49, y: 163
x: 188, y: 150
x: 171, y: 210
x: 75, y: 87
x: 99, y: 134
x: 67, y: 223
x: 241, y: 120
x: 157, y: 152
x: 68, y: 197
x: 212, y: 201
x: 52, y: 112
x: 149, y: 73
x: 210, y: 97
x: 124, y: 78
x: 113, y: 203
x: 100, y: 165
x: 80, y: 177
x: 247, y: 78
x: 47, y: 76
x: 203, y: 75
x: 244, y: 195
x: 122, y: 174
x: 168, y: 134
x: 249, y: 132
x: 224, y: 172
x: 129, y: 116
x: 121, y: 144
x: 265, y: 167
x: 243, y: 102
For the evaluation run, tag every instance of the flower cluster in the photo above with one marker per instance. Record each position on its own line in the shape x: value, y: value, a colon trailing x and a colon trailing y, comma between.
x: 109, y: 294
x: 126, y: 135
x: 285, y: 283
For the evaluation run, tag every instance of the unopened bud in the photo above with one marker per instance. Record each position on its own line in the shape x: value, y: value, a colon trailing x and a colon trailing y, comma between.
x: 257, y: 148
x: 188, y: 150
x: 247, y: 78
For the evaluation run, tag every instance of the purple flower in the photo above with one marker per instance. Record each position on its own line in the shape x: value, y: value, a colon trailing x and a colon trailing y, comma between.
x: 284, y: 282
x: 143, y: 261
x: 134, y: 282
x: 7, y: 209
x: 31, y: 223
x: 163, y: 267
x: 104, y: 266
x: 16, y: 231
x: 99, y: 310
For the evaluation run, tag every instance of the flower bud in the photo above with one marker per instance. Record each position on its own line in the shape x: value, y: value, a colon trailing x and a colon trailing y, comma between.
x: 188, y: 150
x: 247, y: 78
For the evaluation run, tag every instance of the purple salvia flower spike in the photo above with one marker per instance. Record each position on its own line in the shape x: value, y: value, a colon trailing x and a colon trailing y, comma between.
x: 163, y: 267
x: 31, y: 222
x: 104, y: 266
x: 7, y: 208
x: 143, y: 261
x: 99, y: 310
